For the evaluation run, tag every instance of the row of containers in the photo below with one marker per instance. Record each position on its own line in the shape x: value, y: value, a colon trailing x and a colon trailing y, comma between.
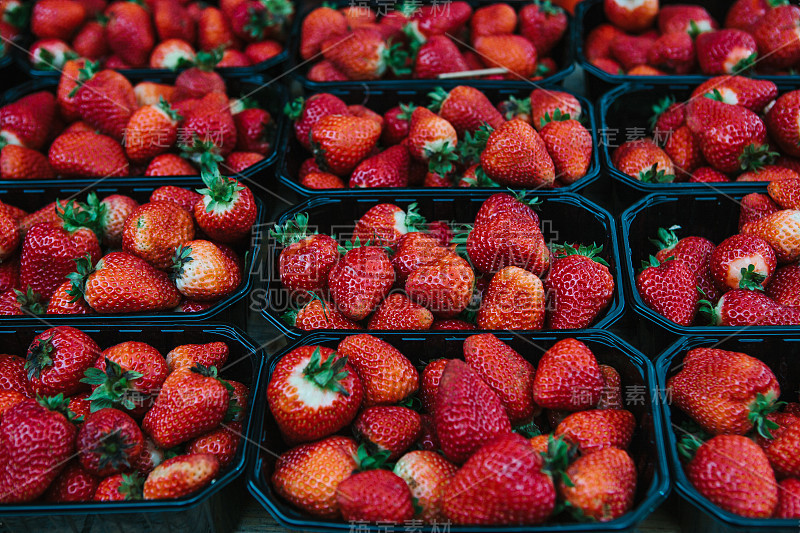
x: 219, y: 506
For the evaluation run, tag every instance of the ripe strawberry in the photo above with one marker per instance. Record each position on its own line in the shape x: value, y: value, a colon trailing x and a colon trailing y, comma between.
x: 568, y: 377
x: 28, y: 121
x: 129, y: 32
x: 769, y: 173
x: 200, y: 80
x: 439, y: 55
x: 155, y: 230
x: 397, y: 311
x: 683, y: 148
x: 73, y: 484
x: 340, y: 142
x: 670, y: 289
x: 209, y: 126
x: 114, y: 210
x: 597, y: 44
x: 786, y: 193
x: 191, y: 402
x: 388, y: 168
x: 429, y: 386
x: 781, y: 122
x: 306, y: 260
x: 781, y: 230
x: 433, y: 140
x: 324, y: 373
x: 320, y: 25
x: 389, y: 429
x: 385, y: 224
x: 508, y: 204
x: 9, y: 238
x: 734, y: 474
x: 234, y: 58
x: 776, y: 35
x: 543, y: 24
x: 119, y: 487
x: 387, y: 375
x: 784, y: 288
x: 50, y: 54
x: 738, y: 90
x: 668, y: 115
x: 580, y: 287
x: 645, y: 161
x: 187, y: 355
x: 13, y: 376
x: 611, y: 393
x: 306, y: 113
x: 631, y: 51
x: 322, y: 180
x: 105, y: 100
x: 755, y: 206
x: 727, y: 51
x: 782, y: 451
x: 30, y: 464
x: 673, y: 52
x: 514, y: 53
x: 63, y: 303
x: 465, y: 108
x: 502, y: 483
x: 14, y: 302
x: 172, y: 21
x: 170, y: 165
x: 324, y: 71
x: 569, y: 143
x: 213, y: 30
x: 360, y: 280
x: 9, y: 399
x: 221, y: 443
x: 252, y: 129
x: 201, y: 271
x: 744, y: 14
x: 515, y: 299
x: 508, y: 240
x: 56, y: 19
x: 743, y: 307
x: 172, y: 54
x: 515, y: 155
x: 788, y: 504
x: 430, y: 21
x: 685, y: 19
x: 87, y: 155
x: 364, y: 55
x: 9, y: 274
x: 632, y: 17
x: 742, y: 261
x: 150, y: 93
x: 597, y: 429
x: 601, y: 485
x: 694, y: 252
x: 424, y: 472
x: 108, y: 441
x: 496, y: 19
x: 444, y: 286
x: 151, y: 130
x: 298, y: 471
x: 238, y: 162
x: 375, y: 495
x: 317, y: 314
x: 179, y: 476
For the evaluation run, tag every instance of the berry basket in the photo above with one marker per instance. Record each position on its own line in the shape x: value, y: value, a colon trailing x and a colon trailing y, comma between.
x: 381, y: 100
x: 780, y: 350
x: 565, y: 217
x: 647, y: 448
x: 270, y: 96
x: 216, y: 508
x: 230, y: 308
x: 563, y: 52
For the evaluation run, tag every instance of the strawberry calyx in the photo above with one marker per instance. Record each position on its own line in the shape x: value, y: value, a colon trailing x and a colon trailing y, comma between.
x: 58, y: 404
x: 290, y: 317
x: 513, y: 107
x: 294, y: 109
x: 438, y: 97
x: 693, y: 437
x: 112, y: 387
x: 278, y: 11
x: 777, y: 3
x: 39, y: 356
x: 547, y: 7
x: 29, y: 301
x: 132, y: 486
x: 752, y: 280
x: 414, y: 220
x: 764, y: 405
x: 415, y: 37
x: 168, y: 110
x: 112, y: 450
x: 560, y: 453
x: 220, y: 192
x: 754, y: 157
x: 653, y: 175
x: 78, y: 216
x: 528, y: 430
x: 83, y: 268
x: 694, y: 30
x: 650, y: 262
x: 666, y: 239
x: 233, y: 405
x: 480, y: 179
x: 746, y: 64
x: 589, y: 251
x: 258, y: 21
x: 18, y: 14
x: 406, y: 110
x: 707, y: 309
x: 206, y: 371
x: 352, y: 245
x: 181, y: 258
x: 659, y: 108
x: 396, y: 58
x: 375, y: 460
x: 474, y: 143
x: 293, y: 231
x: 327, y: 375
x: 557, y: 116
x: 85, y: 74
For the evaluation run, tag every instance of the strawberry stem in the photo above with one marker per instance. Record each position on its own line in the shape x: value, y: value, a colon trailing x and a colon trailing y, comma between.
x: 113, y: 387
x: 759, y: 409
x: 751, y: 279
x: 83, y: 268
x: 438, y: 97
x: 754, y: 157
x: 294, y: 109
x: 57, y: 404
x: 666, y: 239
x: 30, y: 301
x: 293, y: 231
x: 39, y: 356
x: 473, y: 144
x: 327, y: 375
x: 659, y: 109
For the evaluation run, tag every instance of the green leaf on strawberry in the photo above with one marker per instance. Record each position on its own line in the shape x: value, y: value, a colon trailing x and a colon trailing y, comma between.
x: 112, y: 387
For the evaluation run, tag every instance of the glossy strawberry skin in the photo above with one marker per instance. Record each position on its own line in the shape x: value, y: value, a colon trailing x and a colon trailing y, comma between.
x: 375, y: 495
x: 100, y: 435
x: 389, y: 427
x: 568, y: 377
x: 670, y: 290
x: 516, y: 156
x: 580, y: 288
x: 603, y: 484
x: 181, y: 475
x: 360, y: 280
x: 444, y: 286
x: 57, y: 359
x: 597, y: 429
x: 155, y: 230
x: 514, y: 299
x: 73, y: 484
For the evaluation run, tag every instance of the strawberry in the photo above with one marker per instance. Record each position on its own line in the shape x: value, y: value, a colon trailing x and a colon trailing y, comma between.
x: 227, y: 210
x: 738, y: 90
x: 569, y: 143
x: 14, y: 302
x: 234, y: 58
x: 744, y: 14
x: 27, y: 121
x: 187, y: 355
x: 385, y: 224
x: 389, y: 429
x: 694, y: 252
x: 298, y: 471
x: 515, y: 155
x: 742, y: 261
x: 769, y: 173
x: 340, y: 142
x: 668, y: 115
x: 317, y: 314
x: 209, y: 126
x: 396, y: 122
x: 322, y: 180
x: 414, y: 249
x: 238, y: 162
x: 252, y: 129
x: 320, y: 25
x: 108, y: 441
x: 306, y: 113
x: 673, y: 52
x: 151, y: 130
x: 568, y: 377
x: 360, y: 280
x: 322, y: 372
x: 172, y: 54
x: 784, y: 288
x: 201, y: 271
x: 645, y: 161
x: 486, y: 492
x: 191, y: 402
x: 9, y: 274
x: 776, y: 35
x: 734, y: 474
x: 496, y: 19
x: 515, y: 299
x: 253, y: 21
x: 63, y: 303
x: 465, y: 108
x: 508, y: 204
x: 781, y: 230
x: 782, y: 451
x: 9, y: 399
x: 387, y: 375
x: 105, y: 100
x: 508, y: 240
x: 631, y: 51
x: 611, y: 393
x: 433, y: 140
x: 424, y: 472
x: 181, y: 475
x: 130, y: 32
x: 685, y: 19
x: 115, y: 209
x: 579, y: 286
x: 788, y: 504
x: 30, y: 464
x: 786, y: 193
x: 609, y: 66
x: 73, y: 484
x: 727, y: 51
x: 439, y: 55
x: 306, y: 259
x: 262, y: 51
x: 633, y: 17
x: 200, y: 80
x: 87, y: 155
x: 430, y: 21
x: 364, y: 55
x: 325, y: 71
x: 50, y: 54
x: 429, y: 383
x: 10, y: 240
x: 601, y: 485
x: 397, y: 311
x: 683, y: 148
x: 13, y: 376
x: 755, y: 206
x: 172, y: 21
x: 543, y: 24
x: 597, y: 44
x: 213, y: 30
x: 221, y: 443
x: 598, y: 429
x: 782, y: 122
x: 155, y: 230
x: 506, y: 372
x: 358, y: 16
x: 375, y: 495
x: 119, y: 487
x: 744, y: 307
x: 170, y: 165
x: 670, y: 289
x: 56, y: 19
x: 514, y: 53
x: 388, y: 168
x: 444, y: 286
x: 725, y: 392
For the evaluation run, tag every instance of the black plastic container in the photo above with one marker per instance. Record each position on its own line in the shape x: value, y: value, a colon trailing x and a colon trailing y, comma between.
x: 780, y: 350
x: 714, y: 216
x: 381, y: 100
x: 636, y: 371
x: 589, y: 14
x: 565, y: 217
x: 34, y: 198
x: 270, y: 96
x: 563, y: 53
x: 216, y: 508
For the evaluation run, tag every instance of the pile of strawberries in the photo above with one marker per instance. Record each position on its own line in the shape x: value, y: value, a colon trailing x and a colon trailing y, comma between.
x: 469, y: 456
x: 83, y: 424
x: 757, y: 34
x: 99, y: 125
x: 461, y: 139
x: 426, y: 41
x: 394, y: 276
x: 160, y: 34
x: 175, y: 251
x: 749, y: 279
x: 742, y: 449
x: 731, y: 127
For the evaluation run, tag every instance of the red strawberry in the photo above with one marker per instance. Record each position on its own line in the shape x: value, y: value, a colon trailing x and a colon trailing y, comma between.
x: 27, y: 122
x: 170, y: 165
x: 568, y: 377
x: 63, y: 303
x: 13, y: 376
x: 496, y: 19
x: 743, y: 307
x: 785, y: 286
x: 187, y: 355
x: 429, y: 386
x: 415, y: 249
x: 734, y: 474
x: 213, y: 30
x: 597, y: 44
x: 683, y: 148
x: 430, y: 21
x: 781, y: 230
x: 631, y: 16
x: 444, y: 286
x: 694, y: 252
x: 398, y: 312
x: 742, y: 261
x: 515, y: 299
x: 119, y: 487
x: 340, y: 142
x: 708, y: 175
x: 9, y: 274
x: 151, y: 130
x: 10, y: 237
x: 788, y: 503
x: 385, y: 224
x: 387, y: 375
x: 433, y: 140
x: 155, y: 230
x: 465, y: 108
x: 9, y: 399
x: 777, y: 37
x: 486, y: 492
x: 738, y: 90
x: 323, y: 373
x: 514, y: 53
x: 424, y: 472
x: 508, y: 240
x: 668, y: 115
x: 209, y: 126
x: 631, y: 51
x: 755, y: 206
x: 252, y: 130
x: 673, y: 52
x: 390, y: 429
x: 515, y: 155
x: 320, y: 25
x: 201, y: 271
x: 389, y: 168
x: 685, y: 19
x: 580, y: 287
x: 306, y: 113
x: 57, y: 19
x: 363, y: 55
x: 543, y: 24
x: 306, y: 260
x: 179, y: 476
x: 172, y: 21
x: 375, y: 495
x: 727, y: 51
x: 601, y: 485
x: 782, y: 451
x: 360, y: 280
x: 227, y: 210
x: 743, y: 14
x: 396, y: 122
x: 325, y: 71
x: 786, y: 192
x: 108, y: 441
x: 569, y: 143
x: 643, y: 160
x: 87, y: 155
x: 222, y: 443
x: 782, y: 122
x: 172, y: 54
x: 597, y: 429
x: 73, y: 484
x: 317, y: 314
x: 670, y: 289
x: 322, y: 180
x: 115, y: 209
x: 129, y: 32
x: 439, y: 55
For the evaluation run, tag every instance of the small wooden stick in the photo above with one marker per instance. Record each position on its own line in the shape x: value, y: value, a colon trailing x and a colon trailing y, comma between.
x: 472, y: 73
